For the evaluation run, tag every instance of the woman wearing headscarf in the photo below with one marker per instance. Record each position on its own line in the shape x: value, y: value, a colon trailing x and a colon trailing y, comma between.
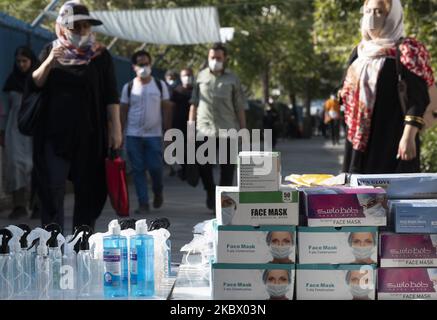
x: 80, y: 111
x: 381, y: 137
x: 17, y: 147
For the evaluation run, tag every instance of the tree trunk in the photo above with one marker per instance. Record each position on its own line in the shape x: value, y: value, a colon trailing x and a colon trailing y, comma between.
x: 266, y: 83
x: 307, y: 119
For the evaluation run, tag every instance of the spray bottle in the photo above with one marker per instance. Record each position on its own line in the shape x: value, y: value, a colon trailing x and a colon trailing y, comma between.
x: 141, y: 262
x: 54, y: 243
x: 17, y: 257
x: 97, y: 264
x: 116, y: 278
x: 84, y: 262
x: 6, y: 266
x: 69, y: 269
x: 163, y: 223
x: 161, y: 258
x: 42, y: 264
x: 27, y: 262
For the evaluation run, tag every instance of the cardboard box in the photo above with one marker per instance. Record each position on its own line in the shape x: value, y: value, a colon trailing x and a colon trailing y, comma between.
x: 347, y: 245
x: 253, y: 281
x: 234, y: 207
x: 345, y: 206
x: 393, y: 204
x: 265, y: 244
x: 415, y: 217
x: 408, y: 250
x: 401, y: 186
x: 335, y: 282
x: 407, y: 284
x: 259, y: 171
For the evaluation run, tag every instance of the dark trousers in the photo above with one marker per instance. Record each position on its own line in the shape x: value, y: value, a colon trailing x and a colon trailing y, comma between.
x: 88, y: 176
x: 335, y: 131
x: 227, y: 170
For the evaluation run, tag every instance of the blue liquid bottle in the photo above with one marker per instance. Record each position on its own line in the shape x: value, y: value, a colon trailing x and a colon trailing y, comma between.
x: 142, y: 276
x: 115, y: 278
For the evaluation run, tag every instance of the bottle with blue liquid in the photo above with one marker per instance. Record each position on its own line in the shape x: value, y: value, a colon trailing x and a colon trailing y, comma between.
x: 115, y: 257
x: 142, y: 278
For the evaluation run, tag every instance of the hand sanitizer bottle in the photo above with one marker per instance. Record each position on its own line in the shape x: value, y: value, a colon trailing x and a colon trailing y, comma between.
x: 6, y: 266
x: 142, y: 277
x: 116, y: 281
x: 54, y: 243
x: 43, y: 274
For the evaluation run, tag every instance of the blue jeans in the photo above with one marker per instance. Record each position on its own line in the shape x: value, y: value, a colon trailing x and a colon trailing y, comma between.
x: 146, y: 154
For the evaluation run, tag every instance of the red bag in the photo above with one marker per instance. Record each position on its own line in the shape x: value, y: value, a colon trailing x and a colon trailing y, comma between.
x: 117, y: 183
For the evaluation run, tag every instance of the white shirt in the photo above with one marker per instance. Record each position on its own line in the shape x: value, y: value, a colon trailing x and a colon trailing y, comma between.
x: 144, y: 117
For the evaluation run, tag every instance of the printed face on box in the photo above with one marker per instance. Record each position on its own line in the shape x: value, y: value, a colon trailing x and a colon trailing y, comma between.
x: 277, y: 283
x: 433, y: 277
x: 363, y: 245
x: 373, y: 206
x: 281, y: 246
x: 228, y: 209
x: 360, y: 283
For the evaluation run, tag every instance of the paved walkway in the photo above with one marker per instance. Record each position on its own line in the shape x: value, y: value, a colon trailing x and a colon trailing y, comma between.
x: 185, y: 206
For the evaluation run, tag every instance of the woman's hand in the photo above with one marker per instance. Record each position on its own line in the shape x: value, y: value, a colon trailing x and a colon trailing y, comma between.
x: 407, y: 150
x: 115, y: 137
x: 55, y: 54
x: 40, y: 75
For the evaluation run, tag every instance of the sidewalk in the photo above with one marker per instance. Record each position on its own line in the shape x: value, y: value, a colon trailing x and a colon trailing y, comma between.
x: 185, y: 206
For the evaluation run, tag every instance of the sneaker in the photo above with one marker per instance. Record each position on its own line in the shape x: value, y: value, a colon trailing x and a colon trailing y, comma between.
x: 17, y: 213
x: 158, y: 201
x: 210, y: 200
x: 142, y: 209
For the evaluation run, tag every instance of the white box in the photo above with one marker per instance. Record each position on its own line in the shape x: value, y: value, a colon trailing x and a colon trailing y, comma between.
x: 259, y: 171
x: 265, y: 244
x: 345, y: 206
x: 234, y: 207
x: 408, y: 250
x: 401, y: 186
x: 407, y: 284
x: 347, y: 245
x: 335, y: 282
x: 253, y: 281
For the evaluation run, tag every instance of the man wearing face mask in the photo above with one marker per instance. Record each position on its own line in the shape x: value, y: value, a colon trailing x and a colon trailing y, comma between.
x: 281, y: 246
x: 181, y: 101
x: 76, y: 80
x: 143, y: 102
x: 217, y: 103
x: 363, y: 246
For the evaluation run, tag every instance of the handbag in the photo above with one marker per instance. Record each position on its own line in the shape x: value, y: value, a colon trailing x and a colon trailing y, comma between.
x: 117, y: 183
x: 30, y: 110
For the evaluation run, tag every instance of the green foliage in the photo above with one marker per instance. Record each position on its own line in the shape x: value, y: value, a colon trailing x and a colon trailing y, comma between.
x: 429, y: 150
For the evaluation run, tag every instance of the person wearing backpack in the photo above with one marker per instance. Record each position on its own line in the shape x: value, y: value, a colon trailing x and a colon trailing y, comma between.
x: 145, y: 106
x: 385, y: 94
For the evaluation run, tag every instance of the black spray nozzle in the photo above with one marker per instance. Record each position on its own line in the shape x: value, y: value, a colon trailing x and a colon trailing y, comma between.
x: 23, y: 239
x: 127, y: 224
x: 6, y: 237
x: 55, y: 230
x: 83, y: 243
x: 159, y: 223
x: 35, y: 243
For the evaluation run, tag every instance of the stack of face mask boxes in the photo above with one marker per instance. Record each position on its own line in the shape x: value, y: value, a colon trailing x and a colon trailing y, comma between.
x: 256, y: 233
x: 338, y: 248
x: 408, y: 249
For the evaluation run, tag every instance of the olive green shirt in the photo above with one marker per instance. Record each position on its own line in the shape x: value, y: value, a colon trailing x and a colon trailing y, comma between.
x: 218, y: 99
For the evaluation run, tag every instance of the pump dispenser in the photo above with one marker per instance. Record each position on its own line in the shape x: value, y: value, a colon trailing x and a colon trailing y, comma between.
x: 115, y: 253
x: 141, y: 262
x: 42, y: 264
x: 6, y: 266
x: 54, y: 243
x: 83, y: 262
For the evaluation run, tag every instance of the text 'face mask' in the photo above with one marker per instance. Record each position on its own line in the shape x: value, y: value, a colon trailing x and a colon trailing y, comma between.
x: 277, y: 290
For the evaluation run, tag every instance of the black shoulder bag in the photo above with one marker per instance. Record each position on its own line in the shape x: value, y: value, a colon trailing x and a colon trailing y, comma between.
x: 30, y: 110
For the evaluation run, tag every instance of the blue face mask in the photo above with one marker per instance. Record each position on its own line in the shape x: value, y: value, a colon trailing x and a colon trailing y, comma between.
x: 277, y: 290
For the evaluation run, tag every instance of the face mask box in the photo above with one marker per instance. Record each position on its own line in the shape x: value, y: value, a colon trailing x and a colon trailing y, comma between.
x: 234, y: 207
x: 259, y: 171
x: 415, y: 218
x: 408, y: 250
x: 252, y: 281
x: 394, y: 204
x: 401, y: 186
x: 347, y: 245
x: 407, y: 284
x: 345, y: 207
x: 335, y: 282
x: 265, y: 244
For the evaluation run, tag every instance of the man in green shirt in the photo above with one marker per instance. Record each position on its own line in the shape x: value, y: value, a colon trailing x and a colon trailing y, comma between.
x: 217, y: 103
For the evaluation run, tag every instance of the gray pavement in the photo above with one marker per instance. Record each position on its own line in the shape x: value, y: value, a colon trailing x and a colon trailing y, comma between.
x: 185, y: 206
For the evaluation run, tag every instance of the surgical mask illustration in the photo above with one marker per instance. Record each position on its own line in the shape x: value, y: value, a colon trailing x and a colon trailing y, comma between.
x: 280, y: 251
x: 277, y: 290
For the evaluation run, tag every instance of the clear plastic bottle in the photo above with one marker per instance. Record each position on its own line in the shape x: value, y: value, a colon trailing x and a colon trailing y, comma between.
x: 84, y: 272
x: 69, y: 269
x: 115, y: 252
x: 55, y: 257
x: 6, y: 267
x: 142, y: 279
